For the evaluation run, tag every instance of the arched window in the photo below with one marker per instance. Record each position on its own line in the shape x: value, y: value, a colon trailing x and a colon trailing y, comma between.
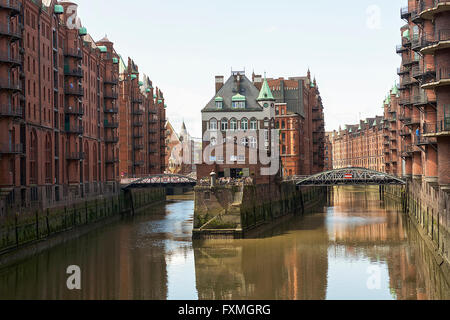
x: 224, y: 124
x: 213, y: 124
x: 233, y: 124
x: 244, y: 141
x: 253, y: 142
x: 33, y: 157
x: 253, y: 124
x: 48, y: 159
x: 244, y: 124
x: 86, y: 162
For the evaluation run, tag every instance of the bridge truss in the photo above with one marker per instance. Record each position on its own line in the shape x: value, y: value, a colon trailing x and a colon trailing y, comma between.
x: 159, y: 180
x: 350, y: 176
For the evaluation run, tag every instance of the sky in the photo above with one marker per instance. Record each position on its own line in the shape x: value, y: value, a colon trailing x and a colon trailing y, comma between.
x: 182, y: 45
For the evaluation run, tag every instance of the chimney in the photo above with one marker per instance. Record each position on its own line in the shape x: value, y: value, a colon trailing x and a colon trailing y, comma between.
x: 257, y: 81
x: 219, y: 83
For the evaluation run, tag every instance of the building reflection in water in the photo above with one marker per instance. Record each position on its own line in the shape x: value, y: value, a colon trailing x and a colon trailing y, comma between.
x: 305, y: 257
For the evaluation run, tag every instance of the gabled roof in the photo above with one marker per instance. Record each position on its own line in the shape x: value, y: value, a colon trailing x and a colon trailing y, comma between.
x: 229, y: 90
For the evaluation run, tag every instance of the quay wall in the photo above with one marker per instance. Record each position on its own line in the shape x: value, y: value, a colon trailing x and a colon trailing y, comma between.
x: 428, y: 206
x: 234, y: 212
x: 26, y: 233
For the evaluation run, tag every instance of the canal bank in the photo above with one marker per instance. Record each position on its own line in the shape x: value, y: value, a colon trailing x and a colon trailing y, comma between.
x: 238, y: 211
x: 29, y: 233
x: 428, y: 209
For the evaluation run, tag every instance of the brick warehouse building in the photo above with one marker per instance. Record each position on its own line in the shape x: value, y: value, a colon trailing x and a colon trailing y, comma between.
x: 306, y: 125
x: 425, y: 91
x: 360, y: 145
x: 59, y: 108
x: 236, y: 123
x: 142, y: 124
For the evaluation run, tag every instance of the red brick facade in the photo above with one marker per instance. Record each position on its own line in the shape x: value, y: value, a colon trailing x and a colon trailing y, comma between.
x: 59, y: 108
x: 141, y: 124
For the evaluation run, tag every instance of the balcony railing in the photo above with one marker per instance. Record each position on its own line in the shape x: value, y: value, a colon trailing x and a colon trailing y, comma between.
x: 111, y: 159
x: 13, y: 32
x: 74, y: 53
x: 400, y: 48
x: 423, y: 98
x: 409, y: 61
x: 6, y: 58
x: 137, y: 112
x: 137, y: 100
x: 77, y: 72
x: 402, y: 71
x: 138, y: 163
x: 10, y: 86
x: 111, y: 80
x: 79, y: 111
x: 412, y: 120
x: 430, y: 5
x: 7, y: 148
x: 138, y: 147
x: 405, y: 132
x: 404, y: 13
x: 438, y: 127
x: 138, y: 124
x: 74, y: 128
x: 112, y: 96
x: 111, y: 110
x: 73, y: 90
x: 443, y: 74
x: 9, y: 111
x: 75, y: 156
x: 11, y: 5
x: 110, y: 124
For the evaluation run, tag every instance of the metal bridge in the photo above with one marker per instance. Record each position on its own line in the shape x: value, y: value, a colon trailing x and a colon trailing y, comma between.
x: 350, y: 176
x: 159, y: 180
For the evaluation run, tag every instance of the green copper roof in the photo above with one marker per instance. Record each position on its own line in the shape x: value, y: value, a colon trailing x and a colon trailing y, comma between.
x: 59, y: 9
x: 238, y: 97
x: 366, y: 122
x: 350, y: 130
x: 154, y: 96
x: 103, y: 49
x: 406, y: 34
x: 375, y: 122
x: 115, y: 60
x: 395, y: 90
x: 141, y: 83
x: 82, y: 31
x: 218, y: 99
x: 133, y: 76
x: 165, y: 106
x: 147, y: 90
x: 265, y: 94
x: 159, y: 101
x: 312, y: 85
x: 360, y: 128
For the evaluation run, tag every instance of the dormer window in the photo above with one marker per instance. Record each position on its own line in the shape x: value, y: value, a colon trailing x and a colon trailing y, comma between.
x: 238, y: 102
x: 219, y: 103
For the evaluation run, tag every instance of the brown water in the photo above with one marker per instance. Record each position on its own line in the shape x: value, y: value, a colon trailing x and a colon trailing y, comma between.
x: 357, y: 247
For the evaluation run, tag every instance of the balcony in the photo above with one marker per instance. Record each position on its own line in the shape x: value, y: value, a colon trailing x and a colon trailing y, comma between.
x: 111, y: 80
x: 442, y: 79
x: 112, y: 139
x: 152, y: 131
x: 400, y: 49
x: 423, y: 141
x: 407, y: 150
x: 138, y: 135
x: 110, y: 124
x: 13, y: 6
x: 152, y: 121
x: 405, y: 102
x: 138, y: 124
x: 74, y: 128
x: 405, y: 132
x: 78, y: 111
x: 402, y: 70
x: 77, y: 72
x: 137, y: 100
x: 8, y: 111
x: 112, y: 110
x: 11, y: 149
x: 14, y: 33
x: 71, y: 90
x: 409, y: 62
x: 138, y: 147
x: 152, y: 141
x: 428, y: 10
x: 73, y: 53
x: 413, y: 120
x: 110, y: 96
x: 11, y: 61
x: 6, y: 85
x: 440, y: 128
x: 423, y: 99
x: 75, y: 156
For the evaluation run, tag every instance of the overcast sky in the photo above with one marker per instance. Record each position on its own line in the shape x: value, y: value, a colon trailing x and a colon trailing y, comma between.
x: 181, y: 45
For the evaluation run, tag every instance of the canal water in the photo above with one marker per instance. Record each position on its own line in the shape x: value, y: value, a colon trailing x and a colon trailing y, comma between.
x: 355, y: 247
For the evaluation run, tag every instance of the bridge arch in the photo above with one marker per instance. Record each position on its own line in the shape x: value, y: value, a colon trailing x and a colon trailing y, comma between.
x: 159, y: 180
x: 351, y: 176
